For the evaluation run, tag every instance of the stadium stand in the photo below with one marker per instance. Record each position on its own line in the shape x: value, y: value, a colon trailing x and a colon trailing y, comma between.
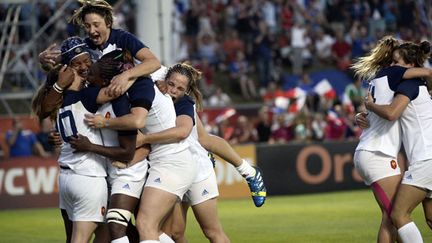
x: 273, y: 36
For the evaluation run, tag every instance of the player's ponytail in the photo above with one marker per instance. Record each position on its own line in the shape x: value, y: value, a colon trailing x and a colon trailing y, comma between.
x: 380, y: 56
x: 425, y: 51
x: 194, y: 85
x: 425, y: 47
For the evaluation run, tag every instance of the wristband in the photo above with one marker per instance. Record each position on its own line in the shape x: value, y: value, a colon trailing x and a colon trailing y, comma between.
x: 57, y: 88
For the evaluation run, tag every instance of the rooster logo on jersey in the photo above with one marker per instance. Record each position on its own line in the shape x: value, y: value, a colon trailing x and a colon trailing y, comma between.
x: 393, y: 164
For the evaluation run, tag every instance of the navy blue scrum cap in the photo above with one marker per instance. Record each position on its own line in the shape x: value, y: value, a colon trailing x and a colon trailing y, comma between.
x: 71, y: 48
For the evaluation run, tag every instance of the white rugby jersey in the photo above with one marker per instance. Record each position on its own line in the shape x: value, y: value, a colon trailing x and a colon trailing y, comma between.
x: 109, y: 136
x: 70, y: 122
x: 416, y: 121
x: 119, y: 107
x: 200, y: 154
x: 159, y: 74
x: 186, y: 106
x: 382, y: 135
x: 162, y: 116
x: 118, y: 40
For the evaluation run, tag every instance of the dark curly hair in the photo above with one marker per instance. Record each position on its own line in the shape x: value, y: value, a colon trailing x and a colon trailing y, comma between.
x: 110, y: 65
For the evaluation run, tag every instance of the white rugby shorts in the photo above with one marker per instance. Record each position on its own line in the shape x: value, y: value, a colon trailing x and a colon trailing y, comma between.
x: 374, y: 166
x: 173, y: 173
x: 130, y: 188
x: 419, y: 175
x: 130, y: 181
x: 202, y: 191
x: 83, y: 197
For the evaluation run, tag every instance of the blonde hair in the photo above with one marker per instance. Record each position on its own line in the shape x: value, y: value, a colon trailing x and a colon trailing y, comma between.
x: 380, y: 56
x: 193, y: 76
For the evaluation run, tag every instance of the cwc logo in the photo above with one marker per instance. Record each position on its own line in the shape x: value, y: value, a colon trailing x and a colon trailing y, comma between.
x: 393, y: 164
x: 103, y: 211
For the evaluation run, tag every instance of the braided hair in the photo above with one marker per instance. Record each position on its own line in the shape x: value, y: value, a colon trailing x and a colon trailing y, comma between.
x: 193, y: 76
x: 110, y: 65
x: 99, y: 7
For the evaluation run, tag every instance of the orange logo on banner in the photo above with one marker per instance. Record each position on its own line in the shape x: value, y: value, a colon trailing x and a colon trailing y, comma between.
x: 393, y: 164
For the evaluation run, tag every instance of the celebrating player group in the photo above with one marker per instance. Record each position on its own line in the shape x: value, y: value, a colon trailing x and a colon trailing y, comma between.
x: 131, y: 141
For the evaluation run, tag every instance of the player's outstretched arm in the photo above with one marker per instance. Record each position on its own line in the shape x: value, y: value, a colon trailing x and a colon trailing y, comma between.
x: 105, y: 96
x: 149, y: 64
x: 134, y: 120
x: 217, y: 145
x: 48, y: 99
x: 181, y: 131
x: 417, y: 72
x: 48, y: 58
x: 124, y: 152
x: 389, y: 112
x: 220, y: 147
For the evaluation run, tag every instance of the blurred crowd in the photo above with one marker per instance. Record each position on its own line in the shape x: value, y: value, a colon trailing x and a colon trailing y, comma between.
x: 245, y: 47
x: 254, y: 43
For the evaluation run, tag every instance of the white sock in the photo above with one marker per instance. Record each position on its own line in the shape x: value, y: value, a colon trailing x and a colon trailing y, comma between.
x: 149, y: 241
x: 123, y: 239
x: 246, y: 170
x: 409, y: 233
x: 164, y: 238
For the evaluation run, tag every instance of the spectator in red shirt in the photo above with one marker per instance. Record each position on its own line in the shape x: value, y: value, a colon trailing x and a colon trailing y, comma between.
x: 336, y: 125
x: 341, y: 52
x: 283, y: 133
x: 231, y: 45
x: 244, y: 132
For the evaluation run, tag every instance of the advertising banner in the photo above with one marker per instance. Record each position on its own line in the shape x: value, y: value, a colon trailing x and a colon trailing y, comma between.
x: 307, y: 168
x: 29, y: 182
x: 288, y: 169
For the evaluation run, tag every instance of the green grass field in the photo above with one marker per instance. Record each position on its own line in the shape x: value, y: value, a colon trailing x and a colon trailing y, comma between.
x: 328, y: 217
